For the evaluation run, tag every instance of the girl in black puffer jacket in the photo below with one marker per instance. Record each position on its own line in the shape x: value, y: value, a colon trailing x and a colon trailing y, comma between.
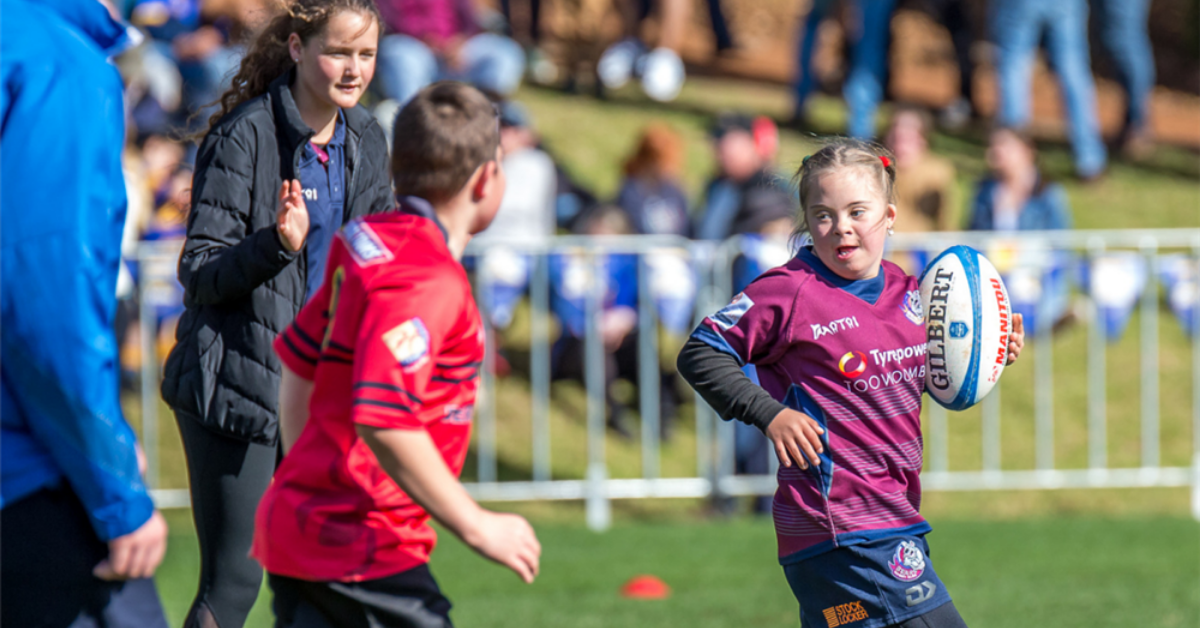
x: 289, y: 158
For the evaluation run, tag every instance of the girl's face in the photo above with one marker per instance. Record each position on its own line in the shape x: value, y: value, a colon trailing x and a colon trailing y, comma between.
x: 336, y: 66
x: 1007, y: 155
x: 848, y: 218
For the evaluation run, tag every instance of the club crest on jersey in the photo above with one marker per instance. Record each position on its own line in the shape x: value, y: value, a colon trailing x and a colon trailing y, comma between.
x: 365, y: 246
x: 729, y: 315
x: 908, y: 562
x: 408, y: 342
x: 912, y: 307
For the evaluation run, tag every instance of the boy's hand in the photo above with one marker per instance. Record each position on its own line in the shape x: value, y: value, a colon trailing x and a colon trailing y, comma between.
x: 137, y: 554
x: 509, y: 540
x: 292, y: 219
x: 1016, y: 338
x: 796, y: 436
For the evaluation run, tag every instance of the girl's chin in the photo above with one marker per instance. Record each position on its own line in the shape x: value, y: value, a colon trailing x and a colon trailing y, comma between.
x: 344, y: 100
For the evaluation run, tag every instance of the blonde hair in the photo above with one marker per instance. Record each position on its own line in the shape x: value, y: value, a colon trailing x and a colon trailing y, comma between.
x: 841, y: 153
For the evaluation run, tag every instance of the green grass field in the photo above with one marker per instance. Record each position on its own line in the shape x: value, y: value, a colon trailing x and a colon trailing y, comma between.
x: 1091, y: 558
x: 1061, y: 572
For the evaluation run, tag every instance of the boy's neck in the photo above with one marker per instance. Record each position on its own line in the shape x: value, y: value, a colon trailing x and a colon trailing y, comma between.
x: 457, y: 216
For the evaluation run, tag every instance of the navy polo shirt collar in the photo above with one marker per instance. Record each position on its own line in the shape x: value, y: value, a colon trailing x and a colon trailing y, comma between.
x: 417, y: 206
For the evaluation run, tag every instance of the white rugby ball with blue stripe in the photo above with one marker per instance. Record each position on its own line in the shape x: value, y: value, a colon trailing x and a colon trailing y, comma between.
x: 968, y: 318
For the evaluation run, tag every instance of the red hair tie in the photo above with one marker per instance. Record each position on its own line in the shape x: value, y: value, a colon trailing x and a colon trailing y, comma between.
x: 886, y: 162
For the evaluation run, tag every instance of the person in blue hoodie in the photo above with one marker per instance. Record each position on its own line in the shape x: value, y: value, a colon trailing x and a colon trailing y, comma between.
x: 79, y: 534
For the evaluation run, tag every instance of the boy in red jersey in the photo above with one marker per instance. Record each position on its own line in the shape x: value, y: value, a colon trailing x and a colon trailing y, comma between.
x: 379, y: 382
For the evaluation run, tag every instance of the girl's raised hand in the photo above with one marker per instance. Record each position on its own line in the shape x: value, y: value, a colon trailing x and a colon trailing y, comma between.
x: 1016, y: 338
x: 292, y: 219
x: 797, y: 438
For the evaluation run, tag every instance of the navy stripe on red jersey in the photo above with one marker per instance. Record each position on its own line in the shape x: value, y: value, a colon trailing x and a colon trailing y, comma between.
x: 388, y: 387
x: 340, y: 347
x: 325, y: 357
x: 472, y: 365
x: 296, y: 350
x: 382, y: 404
x: 454, y: 380
x: 308, y: 340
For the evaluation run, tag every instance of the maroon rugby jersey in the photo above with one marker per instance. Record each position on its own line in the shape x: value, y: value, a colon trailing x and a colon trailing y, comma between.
x: 392, y: 340
x: 857, y: 368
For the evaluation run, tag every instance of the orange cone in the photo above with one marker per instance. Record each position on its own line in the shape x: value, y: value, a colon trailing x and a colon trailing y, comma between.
x: 645, y: 588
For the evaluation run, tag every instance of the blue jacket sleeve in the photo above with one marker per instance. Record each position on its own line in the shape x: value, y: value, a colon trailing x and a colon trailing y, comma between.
x: 1059, y: 208
x: 980, y: 218
x: 63, y: 206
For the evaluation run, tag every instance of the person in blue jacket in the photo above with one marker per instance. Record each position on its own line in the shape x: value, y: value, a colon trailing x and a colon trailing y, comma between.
x: 79, y: 534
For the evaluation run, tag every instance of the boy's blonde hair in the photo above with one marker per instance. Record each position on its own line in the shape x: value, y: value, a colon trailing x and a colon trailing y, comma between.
x: 840, y: 153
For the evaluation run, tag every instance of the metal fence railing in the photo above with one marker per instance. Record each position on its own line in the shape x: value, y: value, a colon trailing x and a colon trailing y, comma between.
x: 1102, y: 280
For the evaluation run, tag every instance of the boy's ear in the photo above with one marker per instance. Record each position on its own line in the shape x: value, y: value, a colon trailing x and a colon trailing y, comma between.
x: 479, y: 180
x: 483, y: 177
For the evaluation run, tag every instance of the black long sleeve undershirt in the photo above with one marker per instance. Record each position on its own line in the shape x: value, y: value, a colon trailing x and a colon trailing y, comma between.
x: 719, y: 379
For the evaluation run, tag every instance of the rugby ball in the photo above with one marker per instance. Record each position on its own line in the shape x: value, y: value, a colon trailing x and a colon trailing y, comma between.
x: 967, y: 321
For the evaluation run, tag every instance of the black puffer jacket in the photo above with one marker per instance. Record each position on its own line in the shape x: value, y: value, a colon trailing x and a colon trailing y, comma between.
x: 241, y: 287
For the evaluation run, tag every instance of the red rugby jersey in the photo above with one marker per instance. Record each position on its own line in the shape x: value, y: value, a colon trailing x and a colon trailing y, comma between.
x: 392, y: 340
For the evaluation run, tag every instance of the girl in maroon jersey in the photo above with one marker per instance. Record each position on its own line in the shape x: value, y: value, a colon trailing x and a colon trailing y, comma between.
x: 837, y: 336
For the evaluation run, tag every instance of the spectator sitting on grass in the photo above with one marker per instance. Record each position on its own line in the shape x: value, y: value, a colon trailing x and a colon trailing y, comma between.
x: 572, y: 276
x: 745, y: 180
x: 1018, y: 197
x: 924, y: 181
x: 650, y: 193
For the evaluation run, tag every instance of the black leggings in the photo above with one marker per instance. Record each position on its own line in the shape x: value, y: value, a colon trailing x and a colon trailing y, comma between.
x: 227, y: 477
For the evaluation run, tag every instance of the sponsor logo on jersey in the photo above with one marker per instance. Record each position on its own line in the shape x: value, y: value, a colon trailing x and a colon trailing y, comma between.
x: 855, y: 363
x: 908, y: 562
x: 365, y: 246
x: 833, y: 327
x: 408, y: 342
x: 912, y: 307
x: 843, y: 614
x: 935, y: 330
x: 886, y: 379
x: 458, y: 415
x: 852, y: 364
x: 883, y: 358
x: 310, y: 194
x: 729, y: 315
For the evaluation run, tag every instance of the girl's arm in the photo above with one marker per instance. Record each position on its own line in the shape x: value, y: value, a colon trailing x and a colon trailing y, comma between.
x: 220, y: 261
x: 719, y: 379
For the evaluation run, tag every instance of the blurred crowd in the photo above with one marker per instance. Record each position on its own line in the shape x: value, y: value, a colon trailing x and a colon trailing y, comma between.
x: 192, y: 47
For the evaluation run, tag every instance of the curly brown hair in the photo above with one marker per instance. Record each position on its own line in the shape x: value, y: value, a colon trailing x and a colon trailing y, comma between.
x: 268, y: 57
